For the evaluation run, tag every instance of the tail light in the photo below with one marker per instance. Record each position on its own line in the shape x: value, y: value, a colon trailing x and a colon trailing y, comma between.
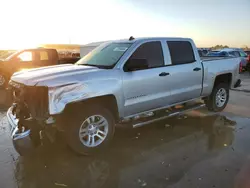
x: 240, y: 67
x: 248, y: 58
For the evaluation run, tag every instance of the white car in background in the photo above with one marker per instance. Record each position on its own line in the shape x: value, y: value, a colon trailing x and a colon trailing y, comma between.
x: 237, y: 52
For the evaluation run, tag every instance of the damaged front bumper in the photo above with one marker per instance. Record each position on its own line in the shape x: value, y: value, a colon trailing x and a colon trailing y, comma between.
x: 28, y: 134
x: 21, y: 138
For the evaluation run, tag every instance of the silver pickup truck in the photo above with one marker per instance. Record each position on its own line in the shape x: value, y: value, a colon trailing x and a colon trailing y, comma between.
x: 130, y: 82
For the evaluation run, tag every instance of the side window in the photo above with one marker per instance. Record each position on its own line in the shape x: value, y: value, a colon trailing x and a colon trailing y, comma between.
x: 231, y: 53
x: 150, y: 51
x: 236, y: 54
x: 224, y: 54
x: 25, y: 56
x: 44, y: 56
x: 242, y: 54
x: 181, y: 52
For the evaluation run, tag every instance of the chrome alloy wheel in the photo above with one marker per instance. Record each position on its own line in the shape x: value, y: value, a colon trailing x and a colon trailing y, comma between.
x: 221, y: 97
x: 93, y: 131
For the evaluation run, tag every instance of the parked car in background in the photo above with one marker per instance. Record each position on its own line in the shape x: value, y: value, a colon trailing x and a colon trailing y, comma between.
x: 132, y: 82
x: 219, y: 54
x: 238, y: 52
x: 27, y: 59
x: 203, y: 51
x: 248, y: 60
x: 248, y: 55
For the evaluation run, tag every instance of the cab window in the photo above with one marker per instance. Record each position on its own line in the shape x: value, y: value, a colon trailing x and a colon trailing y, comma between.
x: 152, y: 52
x: 181, y: 52
x: 25, y: 56
x: 44, y: 56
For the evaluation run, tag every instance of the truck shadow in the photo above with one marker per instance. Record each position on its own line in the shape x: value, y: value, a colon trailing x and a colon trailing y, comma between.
x: 156, y: 156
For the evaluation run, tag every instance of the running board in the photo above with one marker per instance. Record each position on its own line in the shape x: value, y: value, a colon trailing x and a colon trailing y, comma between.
x: 167, y: 116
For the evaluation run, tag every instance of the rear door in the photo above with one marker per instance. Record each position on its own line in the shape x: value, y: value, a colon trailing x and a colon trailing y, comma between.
x: 146, y: 89
x: 186, y: 71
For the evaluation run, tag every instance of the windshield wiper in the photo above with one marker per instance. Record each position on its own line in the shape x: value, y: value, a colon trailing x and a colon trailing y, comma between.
x: 98, y: 66
x: 85, y: 64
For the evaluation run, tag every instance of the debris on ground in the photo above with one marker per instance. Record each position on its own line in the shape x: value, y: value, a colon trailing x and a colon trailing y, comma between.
x: 182, y: 117
x: 142, y: 182
x: 60, y: 184
x: 167, y: 125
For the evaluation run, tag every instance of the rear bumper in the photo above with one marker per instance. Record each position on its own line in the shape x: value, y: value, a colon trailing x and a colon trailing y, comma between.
x: 21, y: 139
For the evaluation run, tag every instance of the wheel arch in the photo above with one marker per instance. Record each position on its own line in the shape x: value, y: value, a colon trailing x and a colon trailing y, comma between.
x: 223, y: 78
x: 107, y: 101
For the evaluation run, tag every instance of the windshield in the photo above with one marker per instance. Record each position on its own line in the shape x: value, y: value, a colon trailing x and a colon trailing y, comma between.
x: 243, y: 54
x: 106, y: 55
x: 12, y: 55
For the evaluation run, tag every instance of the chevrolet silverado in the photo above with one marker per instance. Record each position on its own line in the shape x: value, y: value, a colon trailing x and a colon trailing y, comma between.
x: 130, y: 82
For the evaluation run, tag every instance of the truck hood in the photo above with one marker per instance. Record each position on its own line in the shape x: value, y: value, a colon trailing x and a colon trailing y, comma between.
x: 53, y: 76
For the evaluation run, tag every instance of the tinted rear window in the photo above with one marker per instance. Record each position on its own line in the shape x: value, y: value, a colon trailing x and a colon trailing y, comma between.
x: 181, y: 52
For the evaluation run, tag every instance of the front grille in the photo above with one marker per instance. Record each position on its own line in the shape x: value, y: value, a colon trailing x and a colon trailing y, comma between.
x: 34, y: 97
x: 37, y: 100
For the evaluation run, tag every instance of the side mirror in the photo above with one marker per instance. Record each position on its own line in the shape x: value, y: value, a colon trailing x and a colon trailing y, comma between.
x: 136, y: 64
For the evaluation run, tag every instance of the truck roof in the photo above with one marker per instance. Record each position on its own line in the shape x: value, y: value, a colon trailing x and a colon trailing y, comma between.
x: 33, y: 49
x: 151, y: 38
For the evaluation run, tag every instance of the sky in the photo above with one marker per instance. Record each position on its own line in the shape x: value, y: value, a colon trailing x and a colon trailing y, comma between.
x: 28, y: 23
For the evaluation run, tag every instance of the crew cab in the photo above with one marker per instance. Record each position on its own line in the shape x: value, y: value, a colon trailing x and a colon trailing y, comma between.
x: 131, y: 82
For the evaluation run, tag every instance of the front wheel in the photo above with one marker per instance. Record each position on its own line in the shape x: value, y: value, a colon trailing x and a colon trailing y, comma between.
x: 89, y: 131
x: 219, y: 97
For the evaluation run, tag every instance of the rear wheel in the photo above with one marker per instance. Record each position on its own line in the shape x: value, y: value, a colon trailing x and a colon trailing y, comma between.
x: 90, y: 130
x: 219, y: 97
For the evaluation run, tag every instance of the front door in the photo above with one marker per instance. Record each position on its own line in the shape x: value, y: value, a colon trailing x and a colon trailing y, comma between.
x: 148, y: 88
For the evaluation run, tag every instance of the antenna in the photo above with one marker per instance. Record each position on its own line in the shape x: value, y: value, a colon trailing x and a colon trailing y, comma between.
x: 131, y: 38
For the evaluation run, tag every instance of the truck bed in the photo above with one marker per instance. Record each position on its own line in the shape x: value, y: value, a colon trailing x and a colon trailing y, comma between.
x: 218, y: 65
x: 213, y: 58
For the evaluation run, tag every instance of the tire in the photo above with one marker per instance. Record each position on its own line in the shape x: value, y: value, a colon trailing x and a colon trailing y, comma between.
x: 3, y: 80
x: 78, y: 124
x: 211, y: 103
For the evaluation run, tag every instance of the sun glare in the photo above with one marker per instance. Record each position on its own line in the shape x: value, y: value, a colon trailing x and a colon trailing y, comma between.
x: 25, y: 56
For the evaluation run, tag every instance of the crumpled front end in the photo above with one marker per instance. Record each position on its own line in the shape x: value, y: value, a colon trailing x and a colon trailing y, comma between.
x: 60, y: 96
x: 27, y: 115
x: 21, y: 135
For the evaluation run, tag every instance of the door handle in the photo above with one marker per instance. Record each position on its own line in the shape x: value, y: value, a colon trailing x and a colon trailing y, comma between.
x: 164, y: 74
x: 197, y: 69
